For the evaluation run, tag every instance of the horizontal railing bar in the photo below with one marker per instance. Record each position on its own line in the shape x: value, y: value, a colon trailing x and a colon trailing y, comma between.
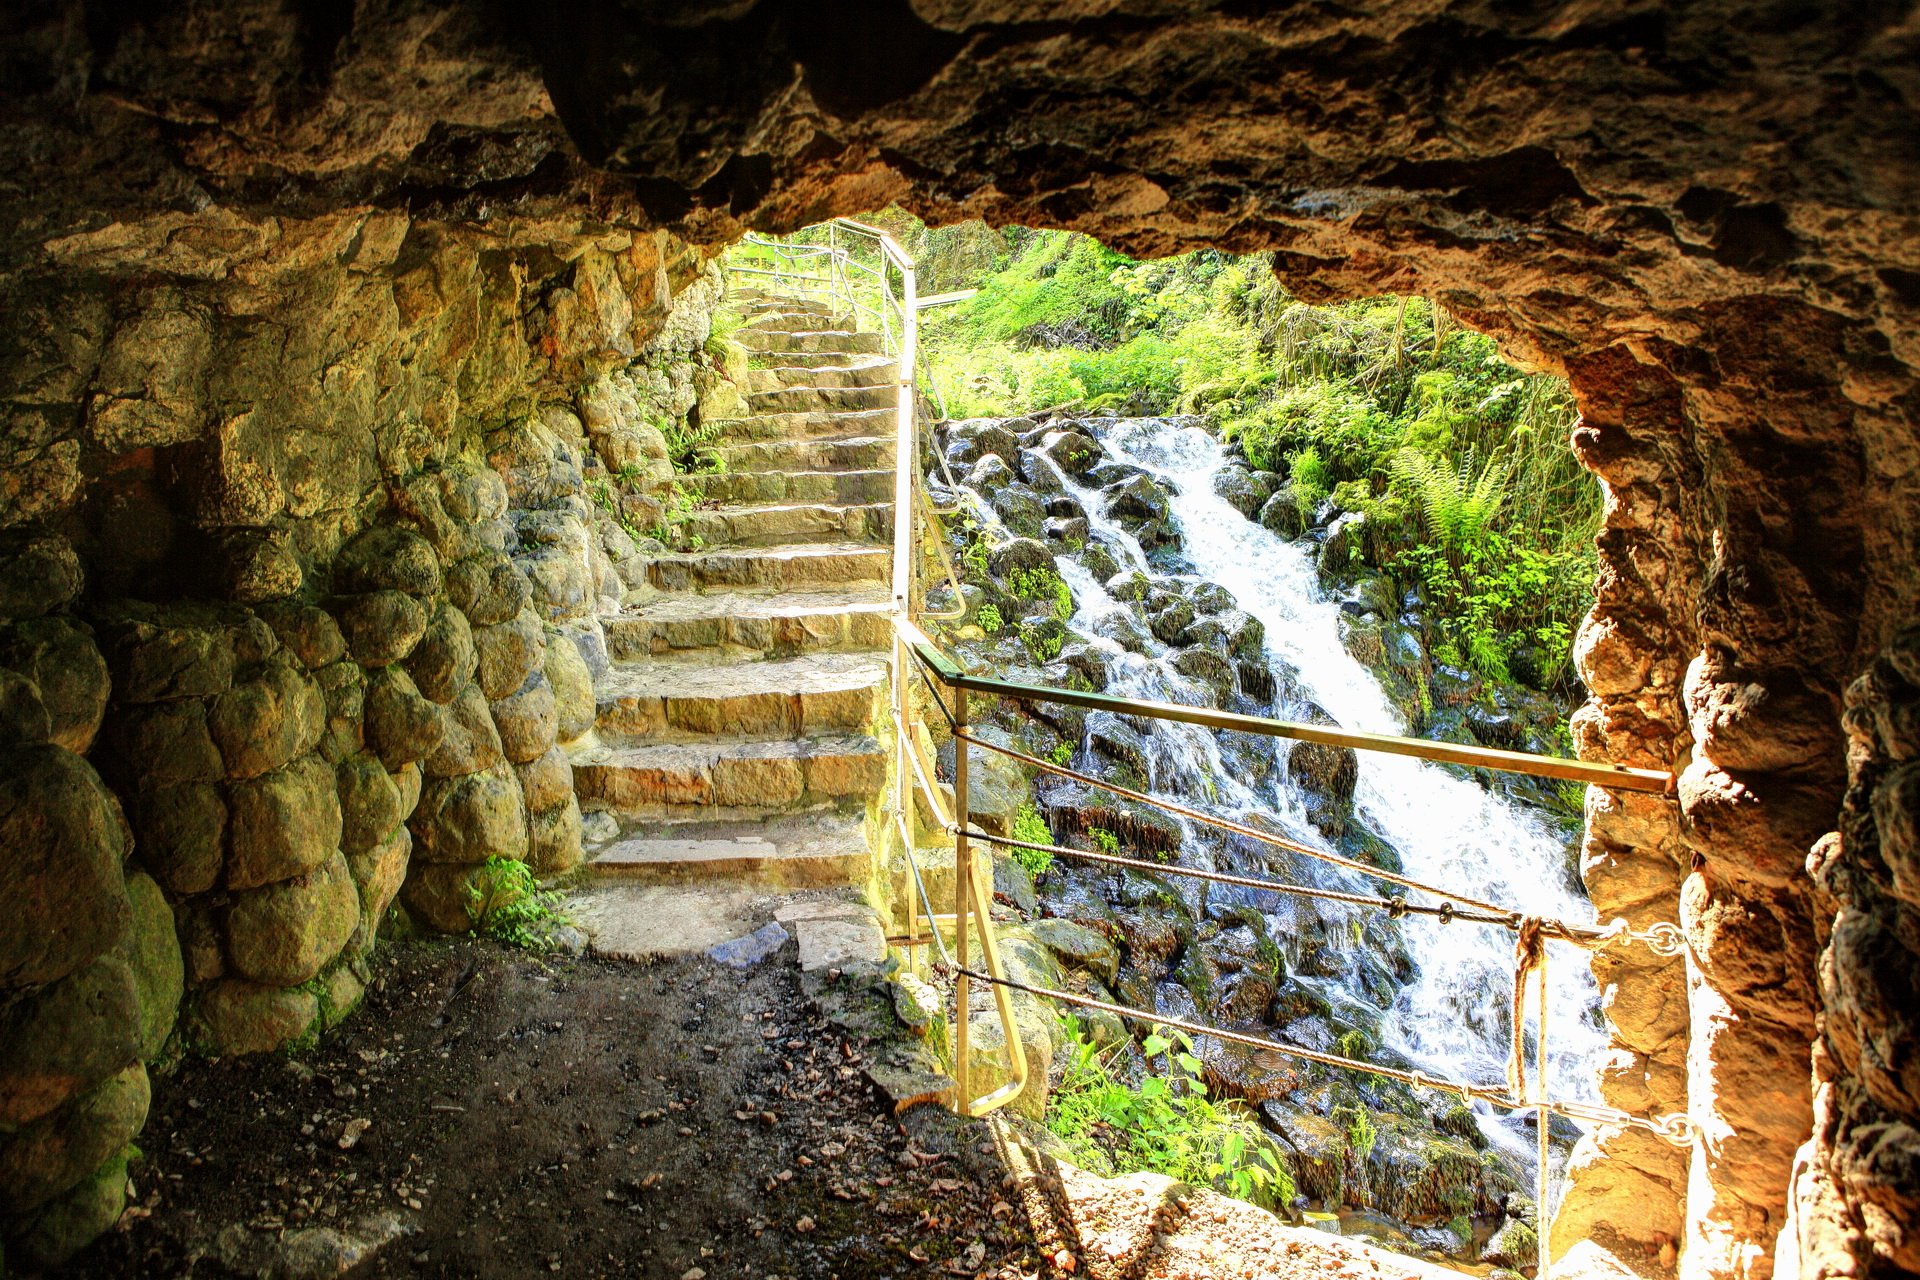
x: 1676, y: 1129
x: 942, y: 299
x: 1620, y: 777
x: 1445, y: 911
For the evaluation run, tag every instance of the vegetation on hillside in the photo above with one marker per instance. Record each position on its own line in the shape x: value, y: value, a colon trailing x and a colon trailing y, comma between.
x: 1382, y: 406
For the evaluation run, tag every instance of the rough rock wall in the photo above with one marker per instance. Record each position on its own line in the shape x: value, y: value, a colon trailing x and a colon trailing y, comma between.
x: 1704, y: 214
x: 299, y: 591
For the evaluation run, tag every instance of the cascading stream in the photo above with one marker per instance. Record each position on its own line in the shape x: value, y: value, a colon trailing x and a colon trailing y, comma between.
x: 1446, y: 830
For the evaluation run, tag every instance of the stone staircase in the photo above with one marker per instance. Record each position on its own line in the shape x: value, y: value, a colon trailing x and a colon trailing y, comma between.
x: 734, y: 745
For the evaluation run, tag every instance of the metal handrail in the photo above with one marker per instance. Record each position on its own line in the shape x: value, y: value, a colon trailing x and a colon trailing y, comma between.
x: 1595, y: 773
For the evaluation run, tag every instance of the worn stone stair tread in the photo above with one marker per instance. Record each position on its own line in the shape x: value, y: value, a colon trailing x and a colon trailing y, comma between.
x: 813, y: 453
x: 807, y: 424
x: 641, y: 918
x: 799, y: 849
x: 792, y: 621
x: 758, y: 524
x: 790, y: 564
x: 865, y: 485
x: 750, y: 777
x: 679, y: 676
x: 691, y: 606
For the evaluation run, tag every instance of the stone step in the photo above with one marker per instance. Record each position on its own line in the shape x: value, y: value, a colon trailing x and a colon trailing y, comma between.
x: 811, y: 359
x: 723, y: 778
x: 870, y: 372
x: 801, y: 565
x: 799, y: 851
x: 764, y: 526
x: 788, y: 318
x: 810, y: 341
x: 809, y: 425
x: 842, y: 453
x: 844, y: 488
x: 674, y: 699
x: 790, y: 622
x: 806, y: 399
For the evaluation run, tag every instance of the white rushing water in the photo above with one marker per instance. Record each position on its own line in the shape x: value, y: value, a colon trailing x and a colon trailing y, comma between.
x: 1447, y: 830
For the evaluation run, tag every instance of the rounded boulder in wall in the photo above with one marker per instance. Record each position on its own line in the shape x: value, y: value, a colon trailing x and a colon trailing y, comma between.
x: 285, y: 933
x: 381, y: 627
x: 61, y: 874
x: 527, y: 720
x: 67, y: 1038
x: 283, y: 824
x: 263, y: 722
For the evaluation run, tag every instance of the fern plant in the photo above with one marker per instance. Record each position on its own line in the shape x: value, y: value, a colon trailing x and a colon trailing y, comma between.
x: 1457, y: 504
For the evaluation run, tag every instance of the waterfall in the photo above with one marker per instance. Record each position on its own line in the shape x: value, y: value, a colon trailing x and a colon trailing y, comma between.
x: 1446, y: 830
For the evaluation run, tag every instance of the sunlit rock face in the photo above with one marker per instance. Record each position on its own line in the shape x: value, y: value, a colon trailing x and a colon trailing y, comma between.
x: 264, y: 263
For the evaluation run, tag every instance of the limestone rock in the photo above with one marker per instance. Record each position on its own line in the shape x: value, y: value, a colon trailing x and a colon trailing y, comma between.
x: 509, y: 652
x: 263, y: 722
x: 182, y: 834
x: 470, y: 818
x: 488, y: 588
x: 169, y: 742
x: 306, y: 631
x: 152, y: 952
x: 527, y: 720
x: 444, y: 660
x: 471, y: 743
x: 66, y: 1038
x: 157, y: 657
x: 238, y: 1016
x: 387, y: 558
x: 23, y: 716
x: 58, y: 1152
x: 553, y: 839
x: 379, y: 873
x: 546, y: 780
x: 60, y: 874
x: 282, y: 824
x: 438, y: 895
x: 285, y: 933
x: 39, y: 573
x: 259, y: 570
x: 343, y: 686
x: 61, y: 658
x: 401, y: 726
x: 370, y: 803
x: 572, y: 681
x: 61, y: 1228
x: 381, y: 627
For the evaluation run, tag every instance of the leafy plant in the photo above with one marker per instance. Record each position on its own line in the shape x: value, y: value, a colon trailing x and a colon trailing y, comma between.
x: 507, y: 904
x: 1041, y: 643
x: 1361, y: 1133
x: 1104, y: 840
x: 990, y: 620
x: 1166, y: 1122
x: 1062, y: 754
x: 1028, y: 825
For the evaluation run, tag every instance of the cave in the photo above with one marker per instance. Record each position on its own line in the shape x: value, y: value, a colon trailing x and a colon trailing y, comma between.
x: 302, y: 298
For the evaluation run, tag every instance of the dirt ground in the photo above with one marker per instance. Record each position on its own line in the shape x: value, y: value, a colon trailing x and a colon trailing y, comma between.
x: 487, y: 1114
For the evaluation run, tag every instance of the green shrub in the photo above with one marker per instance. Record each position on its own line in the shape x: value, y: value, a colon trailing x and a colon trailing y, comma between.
x: 1167, y: 1123
x: 1041, y: 643
x: 989, y: 620
x: 1028, y: 825
x: 507, y: 904
x: 1104, y: 840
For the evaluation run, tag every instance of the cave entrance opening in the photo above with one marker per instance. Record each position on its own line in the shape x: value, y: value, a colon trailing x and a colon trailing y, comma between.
x: 1365, y: 417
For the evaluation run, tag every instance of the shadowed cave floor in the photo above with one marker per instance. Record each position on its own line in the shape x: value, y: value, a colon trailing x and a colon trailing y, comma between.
x: 567, y: 1117
x: 489, y: 1114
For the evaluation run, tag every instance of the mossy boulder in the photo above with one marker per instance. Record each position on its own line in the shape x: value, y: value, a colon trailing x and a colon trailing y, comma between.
x: 237, y: 1016
x: 58, y: 1152
x: 62, y: 1228
x: 444, y: 661
x: 60, y: 875
x: 282, y: 824
x: 285, y: 933
x: 68, y: 1037
x: 152, y: 951
x: 265, y: 721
